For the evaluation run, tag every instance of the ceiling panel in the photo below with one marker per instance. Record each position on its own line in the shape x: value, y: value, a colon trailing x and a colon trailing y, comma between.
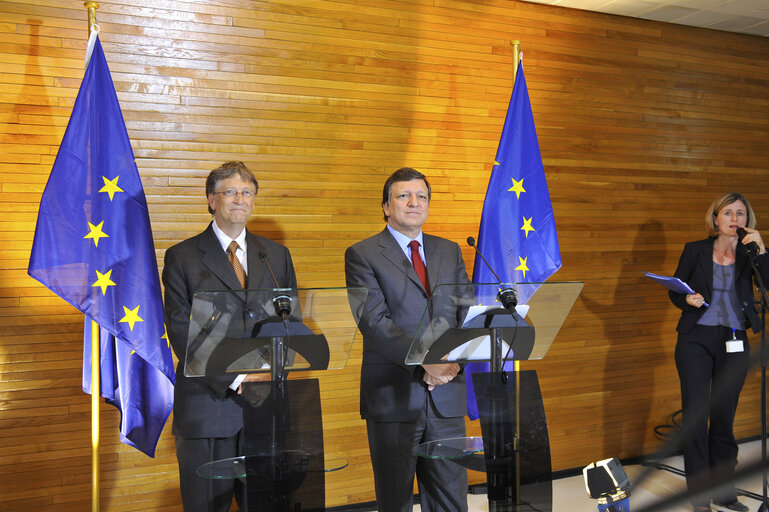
x: 742, y: 16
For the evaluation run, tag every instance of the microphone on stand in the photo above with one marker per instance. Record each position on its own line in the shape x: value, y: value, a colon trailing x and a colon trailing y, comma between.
x: 751, y: 247
x: 509, y: 299
x: 281, y: 303
x: 507, y: 296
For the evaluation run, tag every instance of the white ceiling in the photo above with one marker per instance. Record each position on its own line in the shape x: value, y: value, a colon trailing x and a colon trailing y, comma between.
x: 743, y: 16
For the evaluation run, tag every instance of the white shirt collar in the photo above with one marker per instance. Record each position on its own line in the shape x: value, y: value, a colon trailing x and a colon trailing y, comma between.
x: 225, y: 240
x: 403, y: 242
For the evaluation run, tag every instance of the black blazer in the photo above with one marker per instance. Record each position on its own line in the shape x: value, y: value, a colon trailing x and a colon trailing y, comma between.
x: 202, y: 405
x: 696, y: 269
x: 390, y: 389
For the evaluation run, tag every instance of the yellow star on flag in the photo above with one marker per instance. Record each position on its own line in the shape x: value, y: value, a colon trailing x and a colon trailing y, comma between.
x: 103, y: 281
x: 517, y: 188
x: 110, y: 187
x: 527, y: 226
x: 131, y: 316
x: 165, y: 336
x: 522, y: 267
x: 96, y: 233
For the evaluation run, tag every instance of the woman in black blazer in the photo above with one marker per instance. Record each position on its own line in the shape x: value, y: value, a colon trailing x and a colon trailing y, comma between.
x: 712, y: 352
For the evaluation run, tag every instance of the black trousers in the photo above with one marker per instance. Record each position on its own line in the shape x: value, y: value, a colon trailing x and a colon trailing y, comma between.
x: 711, y: 382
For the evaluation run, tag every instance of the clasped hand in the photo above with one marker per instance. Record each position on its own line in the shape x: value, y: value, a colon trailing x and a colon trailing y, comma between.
x: 255, y: 377
x: 439, y: 374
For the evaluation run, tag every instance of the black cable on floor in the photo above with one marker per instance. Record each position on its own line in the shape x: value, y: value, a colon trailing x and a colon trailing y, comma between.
x: 666, y: 431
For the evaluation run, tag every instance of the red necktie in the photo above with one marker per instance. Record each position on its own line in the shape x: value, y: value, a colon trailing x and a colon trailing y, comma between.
x: 419, y: 265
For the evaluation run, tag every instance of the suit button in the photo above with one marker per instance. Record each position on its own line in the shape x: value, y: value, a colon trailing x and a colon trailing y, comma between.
x: 250, y: 313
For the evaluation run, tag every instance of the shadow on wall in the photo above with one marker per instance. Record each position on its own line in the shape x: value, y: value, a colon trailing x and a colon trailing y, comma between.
x: 623, y: 317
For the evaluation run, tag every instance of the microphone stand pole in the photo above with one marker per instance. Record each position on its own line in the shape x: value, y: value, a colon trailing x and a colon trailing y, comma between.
x: 764, y: 504
x: 764, y: 303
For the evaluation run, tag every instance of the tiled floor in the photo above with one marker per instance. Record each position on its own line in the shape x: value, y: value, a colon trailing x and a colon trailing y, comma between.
x: 569, y: 493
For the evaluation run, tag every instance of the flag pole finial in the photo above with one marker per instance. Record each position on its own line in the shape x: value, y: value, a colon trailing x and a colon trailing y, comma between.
x: 516, y: 56
x: 91, y: 6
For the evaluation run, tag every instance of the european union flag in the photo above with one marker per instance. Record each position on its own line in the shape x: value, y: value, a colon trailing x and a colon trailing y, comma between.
x: 517, y: 234
x: 93, y: 247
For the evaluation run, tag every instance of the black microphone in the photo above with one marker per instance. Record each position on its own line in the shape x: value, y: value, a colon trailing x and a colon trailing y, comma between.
x: 751, y: 247
x: 506, y: 296
x: 281, y: 303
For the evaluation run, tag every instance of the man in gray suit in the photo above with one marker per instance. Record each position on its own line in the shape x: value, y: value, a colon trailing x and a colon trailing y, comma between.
x: 208, y: 422
x: 406, y: 405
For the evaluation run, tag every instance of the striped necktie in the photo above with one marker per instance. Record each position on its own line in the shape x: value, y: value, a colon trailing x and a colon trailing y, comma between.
x: 235, y: 262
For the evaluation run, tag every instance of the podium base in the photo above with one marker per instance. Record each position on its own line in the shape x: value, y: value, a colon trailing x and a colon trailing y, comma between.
x: 283, y: 432
x: 516, y: 442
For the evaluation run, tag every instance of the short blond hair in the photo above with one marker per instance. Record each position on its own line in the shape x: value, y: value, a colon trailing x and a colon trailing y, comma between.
x: 720, y: 203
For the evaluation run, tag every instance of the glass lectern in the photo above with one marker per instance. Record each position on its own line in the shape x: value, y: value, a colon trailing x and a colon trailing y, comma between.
x: 514, y: 450
x: 274, y: 332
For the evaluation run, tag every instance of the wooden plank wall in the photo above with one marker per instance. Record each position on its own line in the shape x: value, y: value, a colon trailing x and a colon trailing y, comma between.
x: 641, y: 124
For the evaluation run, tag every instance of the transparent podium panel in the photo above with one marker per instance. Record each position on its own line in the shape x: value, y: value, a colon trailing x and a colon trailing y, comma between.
x: 252, y: 331
x: 235, y: 467
x: 283, y: 449
x: 273, y: 332
x: 465, y: 451
x: 514, y: 450
x: 515, y: 439
x: 481, y: 308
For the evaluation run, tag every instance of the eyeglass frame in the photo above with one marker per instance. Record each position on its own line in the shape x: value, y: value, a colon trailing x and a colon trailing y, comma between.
x: 232, y: 193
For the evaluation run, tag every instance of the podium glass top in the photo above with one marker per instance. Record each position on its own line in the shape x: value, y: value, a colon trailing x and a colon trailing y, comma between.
x: 236, y: 331
x: 235, y: 467
x: 450, y: 449
x: 456, y: 323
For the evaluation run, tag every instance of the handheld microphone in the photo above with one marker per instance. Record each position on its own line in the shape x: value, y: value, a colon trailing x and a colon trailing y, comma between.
x: 751, y: 247
x: 281, y: 303
x: 506, y: 296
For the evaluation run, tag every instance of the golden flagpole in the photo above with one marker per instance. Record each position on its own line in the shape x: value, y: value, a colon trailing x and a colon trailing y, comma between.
x: 517, y: 364
x: 516, y: 58
x: 95, y: 353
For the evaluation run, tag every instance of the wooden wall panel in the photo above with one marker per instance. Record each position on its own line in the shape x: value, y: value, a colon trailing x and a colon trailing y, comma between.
x: 641, y: 124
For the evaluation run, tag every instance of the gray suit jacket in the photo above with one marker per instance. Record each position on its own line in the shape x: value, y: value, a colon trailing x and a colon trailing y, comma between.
x: 203, y: 406
x: 390, y: 389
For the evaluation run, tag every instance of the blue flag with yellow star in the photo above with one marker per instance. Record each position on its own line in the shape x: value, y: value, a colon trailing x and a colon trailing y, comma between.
x: 93, y: 247
x: 517, y: 234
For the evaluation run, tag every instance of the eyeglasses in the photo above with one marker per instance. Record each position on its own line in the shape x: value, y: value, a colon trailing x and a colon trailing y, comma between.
x: 231, y: 193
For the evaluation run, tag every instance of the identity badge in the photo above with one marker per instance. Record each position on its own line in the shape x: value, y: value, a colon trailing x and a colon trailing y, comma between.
x: 734, y: 345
